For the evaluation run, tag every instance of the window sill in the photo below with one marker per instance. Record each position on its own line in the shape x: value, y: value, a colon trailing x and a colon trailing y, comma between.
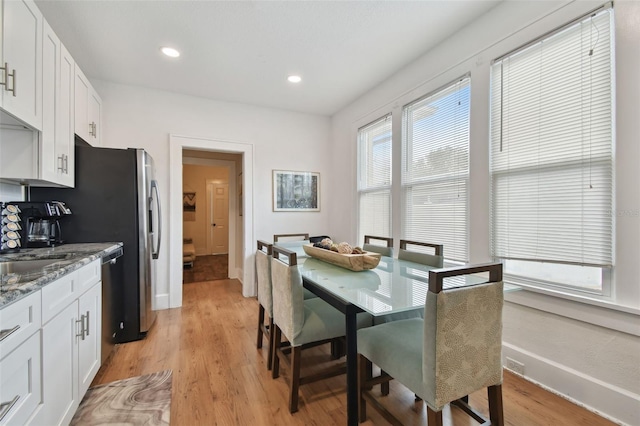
x: 598, y: 312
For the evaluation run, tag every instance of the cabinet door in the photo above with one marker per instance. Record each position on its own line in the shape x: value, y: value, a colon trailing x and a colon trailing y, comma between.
x: 65, y: 117
x: 81, y: 108
x: 60, y: 367
x: 95, y: 117
x: 89, y: 349
x: 22, y: 51
x: 51, y: 163
x: 21, y: 382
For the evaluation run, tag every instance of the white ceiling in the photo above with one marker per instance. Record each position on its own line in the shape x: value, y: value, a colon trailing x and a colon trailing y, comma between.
x: 242, y: 51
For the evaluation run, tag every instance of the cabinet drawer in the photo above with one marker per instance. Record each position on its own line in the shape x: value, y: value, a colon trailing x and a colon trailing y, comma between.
x: 58, y: 294
x: 21, y: 382
x: 88, y: 276
x: 18, y: 321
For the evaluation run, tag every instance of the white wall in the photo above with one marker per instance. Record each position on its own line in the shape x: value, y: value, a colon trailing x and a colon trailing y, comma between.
x: 587, y: 350
x: 144, y: 118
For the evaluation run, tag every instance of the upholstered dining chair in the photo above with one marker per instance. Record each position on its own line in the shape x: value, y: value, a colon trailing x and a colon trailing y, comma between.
x: 265, y: 298
x: 304, y: 323
x: 454, y: 351
x: 385, y: 250
x: 435, y: 260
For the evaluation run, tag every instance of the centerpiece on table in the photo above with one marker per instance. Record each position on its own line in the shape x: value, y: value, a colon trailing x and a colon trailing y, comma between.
x: 343, y: 254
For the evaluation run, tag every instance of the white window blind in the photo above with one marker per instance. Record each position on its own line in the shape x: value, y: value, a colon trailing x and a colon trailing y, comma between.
x: 374, y: 178
x: 552, y: 147
x: 435, y: 164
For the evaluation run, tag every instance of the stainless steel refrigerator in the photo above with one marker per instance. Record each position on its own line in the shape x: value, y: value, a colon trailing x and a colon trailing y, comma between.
x: 116, y: 199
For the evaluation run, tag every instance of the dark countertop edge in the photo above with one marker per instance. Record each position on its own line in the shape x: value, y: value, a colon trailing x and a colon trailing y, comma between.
x: 88, y: 253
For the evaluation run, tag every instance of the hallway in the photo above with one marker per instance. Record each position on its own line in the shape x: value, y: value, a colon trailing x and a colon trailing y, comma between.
x: 207, y: 268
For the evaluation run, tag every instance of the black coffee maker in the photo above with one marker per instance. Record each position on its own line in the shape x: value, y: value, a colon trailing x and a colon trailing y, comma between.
x: 41, y: 222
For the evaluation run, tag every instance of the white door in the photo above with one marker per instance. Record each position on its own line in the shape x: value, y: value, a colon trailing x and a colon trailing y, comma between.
x: 218, y: 217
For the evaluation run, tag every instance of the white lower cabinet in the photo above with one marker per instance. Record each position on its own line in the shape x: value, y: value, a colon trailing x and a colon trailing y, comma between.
x: 60, y: 367
x: 71, y: 339
x: 89, y: 349
x: 20, y: 355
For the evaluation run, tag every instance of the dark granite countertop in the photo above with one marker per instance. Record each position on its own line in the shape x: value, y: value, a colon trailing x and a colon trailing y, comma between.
x: 68, y: 258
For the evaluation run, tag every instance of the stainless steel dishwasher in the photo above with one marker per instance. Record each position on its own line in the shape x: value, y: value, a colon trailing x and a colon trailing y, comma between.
x: 111, y: 273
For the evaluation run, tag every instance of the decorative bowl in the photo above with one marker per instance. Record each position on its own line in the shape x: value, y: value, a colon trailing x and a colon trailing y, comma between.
x: 353, y: 262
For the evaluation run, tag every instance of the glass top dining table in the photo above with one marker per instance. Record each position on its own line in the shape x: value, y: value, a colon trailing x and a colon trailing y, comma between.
x: 393, y: 286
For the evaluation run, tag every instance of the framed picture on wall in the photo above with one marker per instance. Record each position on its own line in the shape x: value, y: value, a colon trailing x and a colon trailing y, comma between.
x: 189, y: 206
x: 296, y: 191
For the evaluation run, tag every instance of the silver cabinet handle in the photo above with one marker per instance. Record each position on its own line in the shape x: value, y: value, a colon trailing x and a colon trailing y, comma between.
x: 95, y: 130
x: 5, y: 81
x: 13, y: 89
x: 8, y: 332
x: 5, y: 407
x: 87, y: 329
x: 61, y: 161
x: 66, y: 163
x: 81, y: 321
x: 5, y: 76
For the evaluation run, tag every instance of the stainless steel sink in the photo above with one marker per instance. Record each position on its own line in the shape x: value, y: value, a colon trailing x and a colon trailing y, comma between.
x: 28, y: 266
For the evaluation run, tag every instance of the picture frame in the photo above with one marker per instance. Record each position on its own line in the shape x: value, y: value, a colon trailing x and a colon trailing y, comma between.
x: 296, y: 191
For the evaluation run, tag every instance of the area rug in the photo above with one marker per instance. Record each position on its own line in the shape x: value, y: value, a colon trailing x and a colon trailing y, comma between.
x: 142, y: 400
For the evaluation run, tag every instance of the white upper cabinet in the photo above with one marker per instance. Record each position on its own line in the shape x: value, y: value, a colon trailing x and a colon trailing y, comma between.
x: 21, y: 61
x: 88, y: 110
x: 57, y: 138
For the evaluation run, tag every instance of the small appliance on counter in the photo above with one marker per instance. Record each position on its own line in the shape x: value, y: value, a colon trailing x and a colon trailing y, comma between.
x: 41, y: 222
x: 11, y: 231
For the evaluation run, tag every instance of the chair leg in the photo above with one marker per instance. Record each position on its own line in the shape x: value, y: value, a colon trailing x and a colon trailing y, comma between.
x: 496, y: 412
x: 296, y: 351
x: 384, y: 387
x: 277, y: 337
x: 434, y: 418
x: 271, y: 345
x: 260, y: 324
x: 335, y: 349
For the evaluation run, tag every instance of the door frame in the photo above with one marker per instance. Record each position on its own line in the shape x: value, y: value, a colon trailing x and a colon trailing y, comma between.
x: 245, y: 273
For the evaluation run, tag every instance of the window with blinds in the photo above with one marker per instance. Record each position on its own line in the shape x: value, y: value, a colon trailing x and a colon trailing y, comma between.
x: 435, y: 165
x: 374, y: 179
x: 552, y: 155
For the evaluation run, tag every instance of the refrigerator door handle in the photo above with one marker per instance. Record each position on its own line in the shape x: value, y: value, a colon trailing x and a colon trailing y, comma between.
x: 154, y: 187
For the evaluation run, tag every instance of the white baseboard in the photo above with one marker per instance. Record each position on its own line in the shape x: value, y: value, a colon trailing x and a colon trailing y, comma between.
x: 611, y: 402
x: 161, y: 302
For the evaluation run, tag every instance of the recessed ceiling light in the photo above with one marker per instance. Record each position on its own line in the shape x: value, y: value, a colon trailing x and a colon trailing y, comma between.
x: 170, y: 52
x: 294, y: 78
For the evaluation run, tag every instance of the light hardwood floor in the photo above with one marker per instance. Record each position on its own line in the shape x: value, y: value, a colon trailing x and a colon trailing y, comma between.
x: 220, y: 378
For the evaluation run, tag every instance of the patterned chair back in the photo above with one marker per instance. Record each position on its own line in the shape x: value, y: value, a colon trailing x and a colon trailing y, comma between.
x: 462, y: 340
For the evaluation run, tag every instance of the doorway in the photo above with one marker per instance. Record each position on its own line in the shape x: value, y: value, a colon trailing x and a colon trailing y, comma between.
x: 240, y: 247
x: 206, y: 216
